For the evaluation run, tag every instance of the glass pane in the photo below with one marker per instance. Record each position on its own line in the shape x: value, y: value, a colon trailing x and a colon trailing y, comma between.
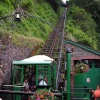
x: 40, y: 67
x: 40, y: 72
x: 46, y: 79
x: 90, y: 63
x: 42, y: 80
x: 45, y: 71
x: 45, y: 66
x: 97, y: 63
x: 17, y: 76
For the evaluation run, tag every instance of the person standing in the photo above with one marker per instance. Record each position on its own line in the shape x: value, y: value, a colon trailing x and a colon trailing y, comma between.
x: 26, y: 85
x: 1, y: 75
x: 41, y: 81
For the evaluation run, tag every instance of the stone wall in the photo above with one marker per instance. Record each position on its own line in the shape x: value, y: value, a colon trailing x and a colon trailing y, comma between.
x: 8, y: 53
x: 81, y: 53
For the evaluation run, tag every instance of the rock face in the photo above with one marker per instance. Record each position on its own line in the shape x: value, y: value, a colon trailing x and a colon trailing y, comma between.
x: 8, y: 53
x: 1, y: 77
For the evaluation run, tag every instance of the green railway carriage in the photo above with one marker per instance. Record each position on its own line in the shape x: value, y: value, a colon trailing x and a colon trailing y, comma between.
x: 32, y: 68
x: 39, y: 65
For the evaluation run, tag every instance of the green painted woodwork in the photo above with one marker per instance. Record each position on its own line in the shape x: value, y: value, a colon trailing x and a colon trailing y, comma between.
x: 18, y: 74
x: 17, y: 97
x: 81, y: 92
x: 55, y: 73
x: 45, y: 72
x: 42, y: 67
x: 88, y: 79
x: 93, y: 75
x: 68, y: 74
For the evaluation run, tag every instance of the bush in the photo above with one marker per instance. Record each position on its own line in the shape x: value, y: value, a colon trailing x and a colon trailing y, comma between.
x: 82, y: 27
x: 81, y: 36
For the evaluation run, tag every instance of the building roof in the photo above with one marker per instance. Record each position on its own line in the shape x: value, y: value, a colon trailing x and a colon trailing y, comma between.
x: 83, y: 47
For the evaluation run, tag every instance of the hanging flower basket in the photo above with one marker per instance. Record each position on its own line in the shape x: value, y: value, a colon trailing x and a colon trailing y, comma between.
x: 81, y: 68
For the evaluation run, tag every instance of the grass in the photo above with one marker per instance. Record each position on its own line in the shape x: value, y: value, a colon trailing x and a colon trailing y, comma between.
x: 22, y: 41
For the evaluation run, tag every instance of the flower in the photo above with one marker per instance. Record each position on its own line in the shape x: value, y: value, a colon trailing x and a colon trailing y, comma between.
x: 38, y: 99
x: 43, y: 94
x: 81, y: 68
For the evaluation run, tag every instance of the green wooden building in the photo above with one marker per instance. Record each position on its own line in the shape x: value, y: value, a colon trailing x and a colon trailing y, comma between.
x: 83, y: 54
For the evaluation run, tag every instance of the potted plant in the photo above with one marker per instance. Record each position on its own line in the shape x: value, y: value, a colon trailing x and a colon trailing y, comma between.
x: 81, y: 68
x: 43, y: 94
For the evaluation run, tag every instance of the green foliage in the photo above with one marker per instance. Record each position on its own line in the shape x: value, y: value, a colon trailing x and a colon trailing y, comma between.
x: 3, y: 47
x: 5, y: 9
x: 80, y: 36
x: 55, y: 4
x: 92, y: 7
x: 82, y: 27
x: 43, y: 94
x: 31, y: 26
x: 27, y: 5
x: 83, y: 19
x: 81, y: 68
x: 27, y: 41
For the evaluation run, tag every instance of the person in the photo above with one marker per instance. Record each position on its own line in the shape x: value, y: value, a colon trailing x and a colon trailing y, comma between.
x: 45, y: 79
x: 1, y: 76
x: 41, y: 81
x: 26, y: 85
x: 32, y: 86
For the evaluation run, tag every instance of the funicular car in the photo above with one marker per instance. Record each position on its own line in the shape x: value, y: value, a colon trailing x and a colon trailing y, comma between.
x: 32, y: 68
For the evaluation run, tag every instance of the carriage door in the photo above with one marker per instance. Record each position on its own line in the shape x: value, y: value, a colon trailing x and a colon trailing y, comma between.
x: 45, y: 72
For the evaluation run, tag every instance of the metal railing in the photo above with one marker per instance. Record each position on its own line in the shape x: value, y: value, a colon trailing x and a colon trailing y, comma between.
x: 8, y: 93
x: 79, y: 92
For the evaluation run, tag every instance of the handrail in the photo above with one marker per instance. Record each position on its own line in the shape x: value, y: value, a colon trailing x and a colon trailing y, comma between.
x: 61, y: 47
x: 22, y: 92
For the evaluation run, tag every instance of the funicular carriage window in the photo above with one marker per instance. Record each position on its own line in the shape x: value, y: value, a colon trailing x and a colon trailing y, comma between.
x: 17, y: 75
x: 44, y: 72
x: 30, y: 74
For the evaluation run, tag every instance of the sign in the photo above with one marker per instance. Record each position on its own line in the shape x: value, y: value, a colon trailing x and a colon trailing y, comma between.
x: 88, y: 80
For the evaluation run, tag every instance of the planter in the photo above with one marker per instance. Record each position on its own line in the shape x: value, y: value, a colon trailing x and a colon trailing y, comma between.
x: 81, y: 68
x: 43, y: 95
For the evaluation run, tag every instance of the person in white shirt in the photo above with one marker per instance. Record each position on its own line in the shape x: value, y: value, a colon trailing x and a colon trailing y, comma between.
x: 26, y: 85
x: 42, y: 82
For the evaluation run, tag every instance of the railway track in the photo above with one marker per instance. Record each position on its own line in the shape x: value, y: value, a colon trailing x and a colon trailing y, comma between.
x: 54, y: 47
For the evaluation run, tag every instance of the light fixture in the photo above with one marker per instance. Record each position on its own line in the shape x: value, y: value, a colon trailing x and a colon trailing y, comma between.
x: 17, y: 16
x: 64, y: 3
x: 68, y: 49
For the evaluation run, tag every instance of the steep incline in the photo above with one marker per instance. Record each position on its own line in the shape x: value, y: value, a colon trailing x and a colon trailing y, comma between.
x: 54, y: 47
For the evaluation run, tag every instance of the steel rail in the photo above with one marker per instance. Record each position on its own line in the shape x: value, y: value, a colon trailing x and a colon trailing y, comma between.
x: 61, y: 48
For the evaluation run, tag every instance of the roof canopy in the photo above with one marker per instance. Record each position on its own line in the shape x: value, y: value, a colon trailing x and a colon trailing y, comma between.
x: 83, y: 47
x: 38, y: 59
